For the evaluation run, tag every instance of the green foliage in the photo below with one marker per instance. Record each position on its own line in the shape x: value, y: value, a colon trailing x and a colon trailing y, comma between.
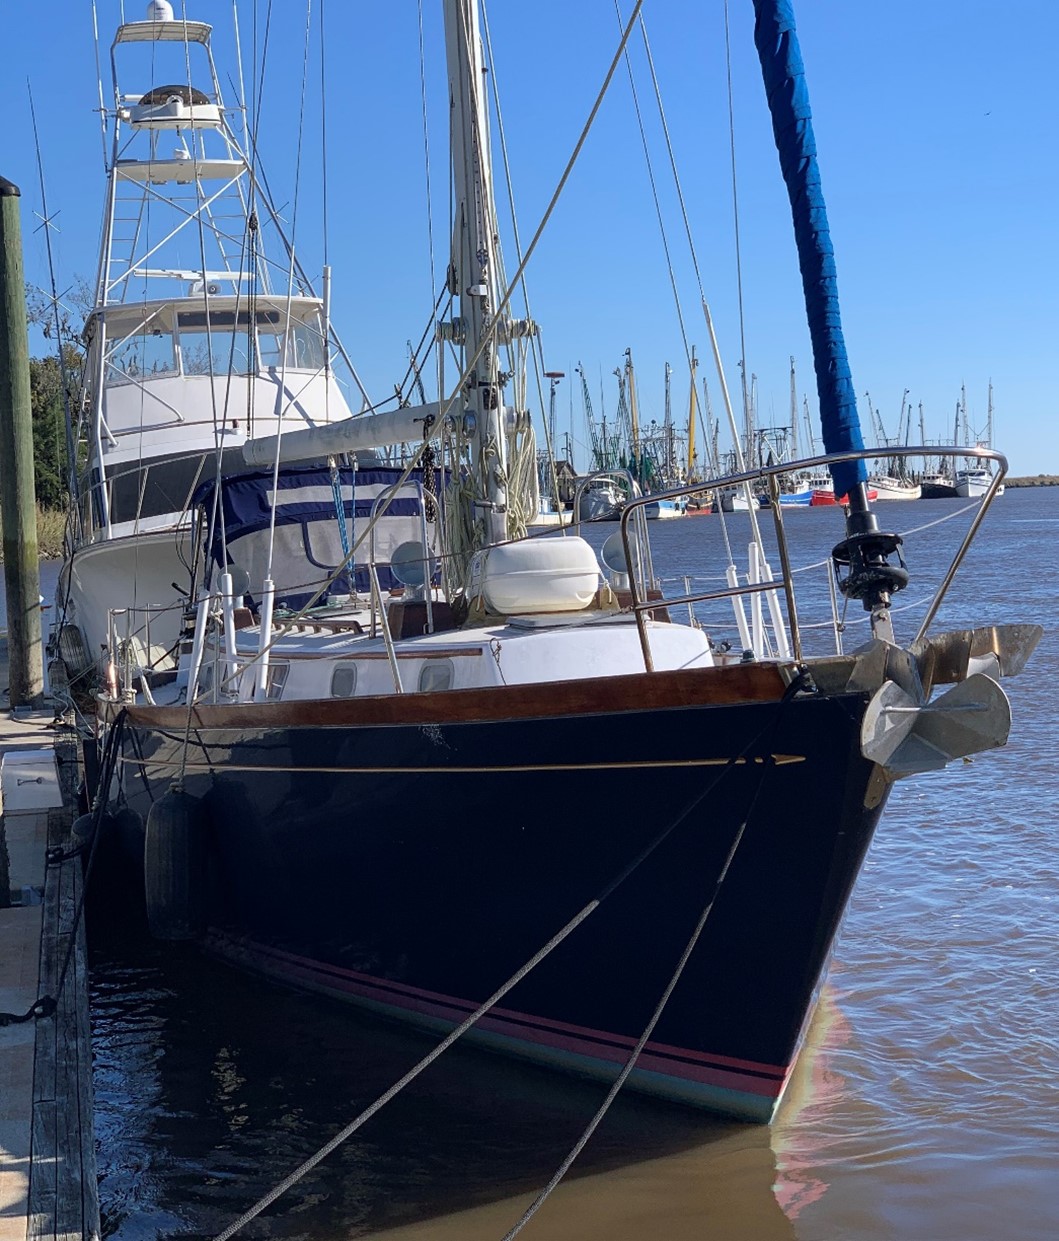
x: 50, y: 464
x: 47, y: 400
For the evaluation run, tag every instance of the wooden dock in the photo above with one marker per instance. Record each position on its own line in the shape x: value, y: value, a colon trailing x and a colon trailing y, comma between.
x: 47, y: 1147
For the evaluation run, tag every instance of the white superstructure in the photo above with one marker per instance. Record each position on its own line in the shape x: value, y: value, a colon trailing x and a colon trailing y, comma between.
x: 201, y: 335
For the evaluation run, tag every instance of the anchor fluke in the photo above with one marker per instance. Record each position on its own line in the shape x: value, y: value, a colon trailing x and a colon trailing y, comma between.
x: 905, y: 737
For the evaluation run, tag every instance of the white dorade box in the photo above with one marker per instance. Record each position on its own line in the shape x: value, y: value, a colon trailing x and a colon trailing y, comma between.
x: 29, y: 780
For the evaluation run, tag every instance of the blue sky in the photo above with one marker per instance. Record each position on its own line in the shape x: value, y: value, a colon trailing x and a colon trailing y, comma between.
x: 936, y: 122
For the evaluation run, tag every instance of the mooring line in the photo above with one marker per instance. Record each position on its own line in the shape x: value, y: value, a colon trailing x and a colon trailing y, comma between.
x: 801, y: 682
x: 634, y: 1055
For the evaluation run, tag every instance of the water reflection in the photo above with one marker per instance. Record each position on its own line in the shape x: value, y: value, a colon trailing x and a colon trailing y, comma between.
x: 212, y: 1086
x: 923, y: 1106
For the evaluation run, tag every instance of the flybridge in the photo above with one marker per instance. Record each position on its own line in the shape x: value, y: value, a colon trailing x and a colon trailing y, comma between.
x: 161, y: 27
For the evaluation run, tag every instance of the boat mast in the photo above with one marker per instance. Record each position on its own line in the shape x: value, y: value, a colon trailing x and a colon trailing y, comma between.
x: 989, y: 419
x: 794, y: 414
x: 865, y: 550
x: 692, y: 475
x: 670, y: 455
x: 474, y: 275
x: 636, y: 461
x: 967, y: 461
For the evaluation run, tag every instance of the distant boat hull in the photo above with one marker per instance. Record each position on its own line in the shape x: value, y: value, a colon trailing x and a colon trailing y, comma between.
x: 552, y: 517
x: 732, y: 500
x: 324, y: 875
x: 938, y: 487
x: 823, y: 497
x: 889, y: 488
x: 973, y: 484
x: 664, y: 510
x: 790, y: 499
x: 600, y: 503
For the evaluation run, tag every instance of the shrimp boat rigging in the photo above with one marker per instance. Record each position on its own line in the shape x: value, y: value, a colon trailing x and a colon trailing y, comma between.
x: 398, y: 803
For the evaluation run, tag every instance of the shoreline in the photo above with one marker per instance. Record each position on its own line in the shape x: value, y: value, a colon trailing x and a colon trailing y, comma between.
x: 51, y: 526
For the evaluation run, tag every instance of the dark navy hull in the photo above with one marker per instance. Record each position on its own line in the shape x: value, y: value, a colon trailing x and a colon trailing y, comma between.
x: 414, y: 866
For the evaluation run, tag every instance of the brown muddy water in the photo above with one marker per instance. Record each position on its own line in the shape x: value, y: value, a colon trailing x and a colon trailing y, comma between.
x: 924, y: 1107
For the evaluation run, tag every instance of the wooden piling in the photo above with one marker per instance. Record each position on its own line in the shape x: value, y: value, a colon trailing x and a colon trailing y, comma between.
x: 18, y: 512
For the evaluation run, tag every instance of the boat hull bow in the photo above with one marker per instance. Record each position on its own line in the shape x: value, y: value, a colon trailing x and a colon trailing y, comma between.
x: 391, y: 864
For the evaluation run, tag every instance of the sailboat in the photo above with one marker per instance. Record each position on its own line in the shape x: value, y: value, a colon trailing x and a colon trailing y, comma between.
x: 519, y: 792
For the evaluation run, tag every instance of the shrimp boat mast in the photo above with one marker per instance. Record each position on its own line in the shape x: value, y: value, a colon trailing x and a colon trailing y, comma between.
x: 398, y: 800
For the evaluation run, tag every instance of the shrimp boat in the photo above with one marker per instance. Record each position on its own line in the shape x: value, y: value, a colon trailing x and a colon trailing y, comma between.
x: 402, y: 799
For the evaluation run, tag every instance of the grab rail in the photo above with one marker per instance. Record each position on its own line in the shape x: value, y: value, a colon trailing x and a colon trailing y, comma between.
x: 768, y: 474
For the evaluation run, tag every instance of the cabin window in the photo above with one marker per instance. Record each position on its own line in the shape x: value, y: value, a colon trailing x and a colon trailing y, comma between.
x: 143, y: 354
x: 214, y: 343
x: 435, y: 675
x: 344, y: 681
x: 304, y: 345
x: 277, y: 678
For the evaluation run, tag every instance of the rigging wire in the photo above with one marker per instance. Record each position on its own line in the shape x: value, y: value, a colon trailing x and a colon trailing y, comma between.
x: 289, y: 339
x: 99, y: 83
x: 426, y: 158
x: 472, y: 362
x: 323, y: 141
x: 536, y: 344
x: 201, y: 207
x: 767, y: 732
x: 654, y: 185
x: 71, y: 453
x: 751, y: 506
x: 735, y: 220
x: 691, y: 243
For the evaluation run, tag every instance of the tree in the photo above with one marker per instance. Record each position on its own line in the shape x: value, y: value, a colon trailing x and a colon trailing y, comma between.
x: 50, y: 465
x: 47, y: 399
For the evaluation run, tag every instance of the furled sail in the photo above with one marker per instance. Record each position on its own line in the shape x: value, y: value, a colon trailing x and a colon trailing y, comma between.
x: 792, y: 126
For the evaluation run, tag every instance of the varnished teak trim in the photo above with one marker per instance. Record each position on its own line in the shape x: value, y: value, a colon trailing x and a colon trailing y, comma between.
x: 642, y: 691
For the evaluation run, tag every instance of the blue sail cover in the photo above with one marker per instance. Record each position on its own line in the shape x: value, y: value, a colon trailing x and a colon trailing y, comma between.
x: 788, y: 100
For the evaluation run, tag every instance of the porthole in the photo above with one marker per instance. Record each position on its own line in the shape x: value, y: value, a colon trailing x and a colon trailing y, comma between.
x: 344, y: 681
x: 435, y: 675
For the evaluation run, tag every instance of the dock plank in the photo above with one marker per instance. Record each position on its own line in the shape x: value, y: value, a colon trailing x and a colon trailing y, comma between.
x: 63, y: 1194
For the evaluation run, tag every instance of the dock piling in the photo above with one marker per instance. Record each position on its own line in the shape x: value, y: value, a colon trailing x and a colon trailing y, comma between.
x: 18, y: 512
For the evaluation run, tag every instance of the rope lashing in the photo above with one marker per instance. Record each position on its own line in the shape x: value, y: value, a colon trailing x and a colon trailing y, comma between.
x: 340, y: 510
